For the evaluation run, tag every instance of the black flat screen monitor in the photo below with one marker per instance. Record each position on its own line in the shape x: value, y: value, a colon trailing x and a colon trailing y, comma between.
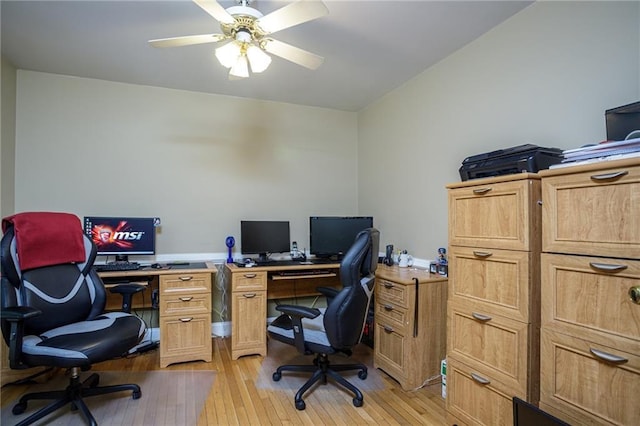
x: 264, y: 237
x: 527, y: 414
x: 332, y: 236
x: 122, y: 236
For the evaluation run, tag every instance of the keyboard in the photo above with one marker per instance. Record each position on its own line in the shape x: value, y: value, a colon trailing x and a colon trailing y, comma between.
x: 117, y: 267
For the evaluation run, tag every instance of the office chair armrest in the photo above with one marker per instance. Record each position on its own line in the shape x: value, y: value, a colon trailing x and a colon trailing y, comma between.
x: 16, y: 316
x: 328, y: 292
x: 299, y: 311
x: 18, y: 313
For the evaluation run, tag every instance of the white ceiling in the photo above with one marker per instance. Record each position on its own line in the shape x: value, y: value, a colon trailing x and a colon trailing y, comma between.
x: 370, y: 47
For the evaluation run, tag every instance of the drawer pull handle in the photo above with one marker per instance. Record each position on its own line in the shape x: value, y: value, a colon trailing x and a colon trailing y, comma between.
x: 609, y: 176
x: 481, y: 191
x: 634, y: 294
x: 607, y: 267
x: 186, y: 278
x: 250, y: 275
x: 482, y: 253
x: 388, y: 285
x: 608, y: 357
x: 388, y: 329
x: 480, y: 379
x: 186, y: 299
x: 481, y: 317
x: 249, y: 295
x: 388, y: 307
x: 186, y: 319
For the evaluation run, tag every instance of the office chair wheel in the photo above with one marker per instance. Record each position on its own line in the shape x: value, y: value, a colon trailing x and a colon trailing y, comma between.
x: 276, y: 377
x: 136, y: 394
x: 362, y: 374
x: 357, y: 402
x: 300, y: 405
x: 19, y: 408
x: 92, y: 381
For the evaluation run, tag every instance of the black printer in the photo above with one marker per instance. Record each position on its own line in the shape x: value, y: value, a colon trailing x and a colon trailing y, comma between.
x: 518, y: 159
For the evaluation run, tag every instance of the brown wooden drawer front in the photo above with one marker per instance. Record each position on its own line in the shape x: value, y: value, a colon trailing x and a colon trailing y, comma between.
x: 390, y: 351
x: 249, y: 281
x: 587, y: 213
x: 187, y: 304
x: 580, y: 299
x: 495, y: 215
x: 494, y: 280
x: 186, y: 335
x: 491, y: 344
x: 577, y: 382
x: 391, y: 315
x: 395, y: 293
x: 185, y: 283
x: 476, y: 399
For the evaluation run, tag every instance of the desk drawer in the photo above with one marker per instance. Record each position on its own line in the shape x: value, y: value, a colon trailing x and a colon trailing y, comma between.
x: 186, y: 304
x: 249, y: 281
x: 391, y: 315
x: 392, y: 292
x: 185, y: 283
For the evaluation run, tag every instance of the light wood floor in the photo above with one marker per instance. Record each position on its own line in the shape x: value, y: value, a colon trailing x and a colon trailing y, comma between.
x: 236, y: 400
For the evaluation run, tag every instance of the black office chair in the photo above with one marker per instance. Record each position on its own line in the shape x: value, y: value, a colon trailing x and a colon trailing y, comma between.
x: 340, y: 327
x: 52, y: 309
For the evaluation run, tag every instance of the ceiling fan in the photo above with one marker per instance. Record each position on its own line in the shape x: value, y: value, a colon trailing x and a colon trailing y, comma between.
x: 248, y: 32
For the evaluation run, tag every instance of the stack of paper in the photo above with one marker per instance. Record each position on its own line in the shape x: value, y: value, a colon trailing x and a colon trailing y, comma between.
x: 603, y: 151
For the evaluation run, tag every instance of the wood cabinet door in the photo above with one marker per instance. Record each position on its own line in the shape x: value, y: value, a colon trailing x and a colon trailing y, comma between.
x: 248, y: 323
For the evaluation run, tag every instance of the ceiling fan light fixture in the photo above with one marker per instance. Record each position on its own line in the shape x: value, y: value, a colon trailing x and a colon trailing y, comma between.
x: 241, y: 68
x: 229, y: 54
x: 259, y: 60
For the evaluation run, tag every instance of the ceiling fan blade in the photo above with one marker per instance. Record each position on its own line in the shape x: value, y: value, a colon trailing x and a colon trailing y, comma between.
x: 292, y: 53
x: 216, y: 10
x: 291, y: 15
x: 187, y: 40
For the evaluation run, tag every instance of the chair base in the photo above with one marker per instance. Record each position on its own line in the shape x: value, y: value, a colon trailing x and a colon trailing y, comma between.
x: 73, y: 394
x: 322, y: 369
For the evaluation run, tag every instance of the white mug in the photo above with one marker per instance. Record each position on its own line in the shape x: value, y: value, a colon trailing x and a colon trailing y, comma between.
x: 405, y: 260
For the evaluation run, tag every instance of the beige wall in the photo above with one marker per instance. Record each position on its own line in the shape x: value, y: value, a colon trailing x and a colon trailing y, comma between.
x: 7, y: 137
x: 544, y: 77
x: 200, y: 162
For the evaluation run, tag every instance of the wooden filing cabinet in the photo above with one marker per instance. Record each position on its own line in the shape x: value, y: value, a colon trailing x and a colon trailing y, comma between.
x: 590, y: 343
x: 185, y: 318
x: 248, y: 313
x: 410, y: 324
x: 493, y: 311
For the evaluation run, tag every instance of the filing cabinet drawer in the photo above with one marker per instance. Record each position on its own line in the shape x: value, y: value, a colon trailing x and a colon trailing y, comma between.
x: 594, y: 212
x: 394, y: 293
x: 495, y: 213
x: 187, y: 304
x: 184, y: 283
x: 491, y: 344
x: 586, y: 295
x: 391, y: 315
x: 495, y: 280
x: 249, y: 281
x: 390, y: 352
x: 478, y: 399
x: 579, y: 381
x: 185, y: 338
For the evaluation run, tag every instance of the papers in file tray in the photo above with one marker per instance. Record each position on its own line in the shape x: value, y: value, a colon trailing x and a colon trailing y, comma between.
x: 603, y: 151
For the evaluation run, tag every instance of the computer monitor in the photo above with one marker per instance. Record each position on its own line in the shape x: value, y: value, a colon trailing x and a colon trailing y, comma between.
x: 527, y: 414
x: 332, y: 236
x: 122, y: 236
x: 263, y: 237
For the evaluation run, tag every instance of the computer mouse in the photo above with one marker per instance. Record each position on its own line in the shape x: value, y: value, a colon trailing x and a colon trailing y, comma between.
x: 156, y: 266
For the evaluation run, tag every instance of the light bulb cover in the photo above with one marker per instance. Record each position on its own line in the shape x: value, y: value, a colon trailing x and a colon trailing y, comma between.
x: 259, y: 60
x: 228, y: 54
x: 241, y: 68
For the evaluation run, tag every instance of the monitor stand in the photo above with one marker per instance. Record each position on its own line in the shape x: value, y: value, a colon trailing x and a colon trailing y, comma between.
x: 122, y: 258
x: 263, y: 258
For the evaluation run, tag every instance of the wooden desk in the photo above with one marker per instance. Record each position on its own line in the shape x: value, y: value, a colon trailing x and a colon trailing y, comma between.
x: 410, y: 324
x: 252, y: 287
x: 184, y: 308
